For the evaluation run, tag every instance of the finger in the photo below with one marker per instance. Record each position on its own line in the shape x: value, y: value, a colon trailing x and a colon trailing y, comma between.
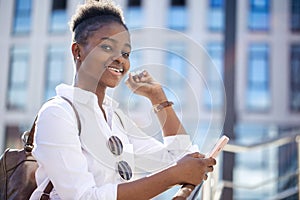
x: 196, y: 155
x: 140, y: 74
x: 210, y: 169
x: 130, y: 82
x: 205, y: 177
x: 143, y: 76
x: 135, y: 77
x: 130, y: 77
x: 210, y: 161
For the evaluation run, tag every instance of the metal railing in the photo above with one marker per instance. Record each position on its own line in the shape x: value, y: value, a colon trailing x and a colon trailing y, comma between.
x: 213, y: 188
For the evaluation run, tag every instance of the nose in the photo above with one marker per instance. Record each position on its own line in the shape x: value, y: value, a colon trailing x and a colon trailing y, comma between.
x: 118, y: 57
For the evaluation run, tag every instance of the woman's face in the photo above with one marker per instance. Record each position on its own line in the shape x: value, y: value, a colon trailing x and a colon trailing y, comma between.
x: 105, y: 56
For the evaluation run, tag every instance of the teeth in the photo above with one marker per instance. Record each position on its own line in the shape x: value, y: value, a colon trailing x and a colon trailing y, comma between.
x: 116, y: 70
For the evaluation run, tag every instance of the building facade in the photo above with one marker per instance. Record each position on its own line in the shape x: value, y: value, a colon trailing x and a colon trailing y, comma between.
x: 186, y: 38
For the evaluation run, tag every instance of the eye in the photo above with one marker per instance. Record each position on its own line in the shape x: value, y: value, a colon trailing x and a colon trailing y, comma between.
x: 125, y: 55
x: 106, y: 47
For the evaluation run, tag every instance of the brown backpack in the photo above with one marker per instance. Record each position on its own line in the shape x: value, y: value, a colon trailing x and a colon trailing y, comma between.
x: 17, y: 168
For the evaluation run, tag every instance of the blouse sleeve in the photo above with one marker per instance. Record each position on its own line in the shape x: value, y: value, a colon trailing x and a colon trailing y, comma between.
x: 60, y: 157
x: 152, y: 155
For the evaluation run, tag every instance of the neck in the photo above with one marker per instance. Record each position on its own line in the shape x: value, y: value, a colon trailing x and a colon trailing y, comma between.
x: 100, y: 92
x: 90, y: 85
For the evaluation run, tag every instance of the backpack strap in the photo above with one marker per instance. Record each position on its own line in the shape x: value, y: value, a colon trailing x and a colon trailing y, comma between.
x: 29, y: 144
x: 30, y: 134
x: 76, y: 113
x: 121, y: 122
x: 46, y: 193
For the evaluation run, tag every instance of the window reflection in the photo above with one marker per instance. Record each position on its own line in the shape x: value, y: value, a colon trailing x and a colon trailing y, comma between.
x: 295, y: 15
x: 177, y: 16
x: 215, y: 18
x: 55, y: 70
x: 22, y: 18
x: 295, y: 78
x: 259, y: 15
x: 58, y: 21
x: 134, y: 14
x: 255, y: 166
x: 176, y: 74
x: 18, y: 79
x: 213, y: 70
x: 258, y: 91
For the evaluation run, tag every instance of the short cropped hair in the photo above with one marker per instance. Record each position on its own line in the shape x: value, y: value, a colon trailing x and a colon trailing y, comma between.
x: 91, y: 16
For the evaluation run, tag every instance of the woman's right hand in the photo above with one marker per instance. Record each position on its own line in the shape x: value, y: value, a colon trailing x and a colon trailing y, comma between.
x: 193, y: 168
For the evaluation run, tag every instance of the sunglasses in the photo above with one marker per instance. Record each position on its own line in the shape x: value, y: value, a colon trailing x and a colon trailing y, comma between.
x: 115, y: 146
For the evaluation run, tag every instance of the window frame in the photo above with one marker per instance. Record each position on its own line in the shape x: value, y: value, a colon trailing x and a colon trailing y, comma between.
x: 250, y: 85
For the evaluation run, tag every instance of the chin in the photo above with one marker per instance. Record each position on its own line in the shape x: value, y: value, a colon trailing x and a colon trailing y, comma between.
x: 110, y: 84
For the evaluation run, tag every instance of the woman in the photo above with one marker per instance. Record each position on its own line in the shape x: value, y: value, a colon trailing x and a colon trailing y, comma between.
x: 105, y: 160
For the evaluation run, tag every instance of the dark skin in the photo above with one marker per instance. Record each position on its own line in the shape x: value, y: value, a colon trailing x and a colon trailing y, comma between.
x: 102, y: 62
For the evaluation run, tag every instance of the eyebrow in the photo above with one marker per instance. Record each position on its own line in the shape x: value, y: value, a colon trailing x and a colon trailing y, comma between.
x: 114, y: 41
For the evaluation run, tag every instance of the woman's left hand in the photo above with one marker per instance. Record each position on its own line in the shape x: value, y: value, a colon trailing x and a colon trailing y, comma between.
x: 143, y: 84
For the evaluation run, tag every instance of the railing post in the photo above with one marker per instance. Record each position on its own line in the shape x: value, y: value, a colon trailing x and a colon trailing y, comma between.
x: 298, y: 148
x: 206, y: 192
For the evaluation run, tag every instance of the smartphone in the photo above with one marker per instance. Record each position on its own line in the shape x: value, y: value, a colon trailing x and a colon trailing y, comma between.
x: 191, y: 188
x: 218, y: 147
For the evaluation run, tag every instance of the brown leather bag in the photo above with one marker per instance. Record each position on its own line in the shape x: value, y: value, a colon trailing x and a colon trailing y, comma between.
x: 17, y: 168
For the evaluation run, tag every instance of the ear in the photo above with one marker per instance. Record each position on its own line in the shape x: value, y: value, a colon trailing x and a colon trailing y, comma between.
x: 75, y: 51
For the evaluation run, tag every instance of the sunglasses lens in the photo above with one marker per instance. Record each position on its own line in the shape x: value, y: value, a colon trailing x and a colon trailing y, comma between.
x: 124, y: 170
x: 115, y: 145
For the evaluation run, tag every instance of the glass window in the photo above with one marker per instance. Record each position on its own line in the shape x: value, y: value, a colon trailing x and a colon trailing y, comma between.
x: 134, y: 14
x: 258, y: 89
x: 215, y: 20
x: 58, y: 19
x: 295, y: 78
x: 177, y: 16
x: 18, y: 76
x: 256, y: 165
x: 259, y: 15
x: 213, y: 70
x: 295, y: 15
x: 22, y: 18
x: 55, y: 70
x: 176, y: 74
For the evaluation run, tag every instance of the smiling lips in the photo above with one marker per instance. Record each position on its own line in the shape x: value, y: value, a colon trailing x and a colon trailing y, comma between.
x: 115, y: 70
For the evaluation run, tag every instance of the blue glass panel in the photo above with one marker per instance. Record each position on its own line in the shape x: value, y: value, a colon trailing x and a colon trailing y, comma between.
x: 23, y: 4
x: 214, y: 87
x: 295, y: 79
x: 22, y: 18
x: 216, y: 3
x: 59, y: 21
x: 259, y: 21
x: 258, y: 71
x: 259, y: 14
x: 177, y: 18
x: 176, y: 74
x: 258, y: 91
x: 22, y: 24
x: 134, y: 17
x: 215, y: 19
x: 55, y: 70
x: 295, y: 15
x: 18, y: 76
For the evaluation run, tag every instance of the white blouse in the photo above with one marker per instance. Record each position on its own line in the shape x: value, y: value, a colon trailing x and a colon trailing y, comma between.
x: 82, y: 167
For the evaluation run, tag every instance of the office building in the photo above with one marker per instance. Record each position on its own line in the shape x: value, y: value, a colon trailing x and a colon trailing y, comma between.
x: 181, y: 43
